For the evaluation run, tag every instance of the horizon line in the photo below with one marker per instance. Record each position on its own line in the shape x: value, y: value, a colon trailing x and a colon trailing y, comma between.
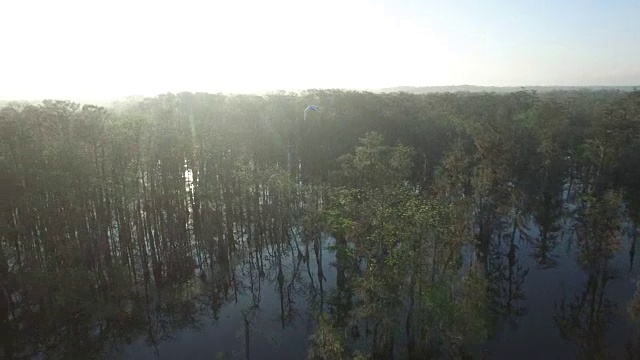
x: 300, y: 91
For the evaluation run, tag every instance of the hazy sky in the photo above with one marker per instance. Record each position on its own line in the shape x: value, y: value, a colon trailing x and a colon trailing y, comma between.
x: 104, y: 49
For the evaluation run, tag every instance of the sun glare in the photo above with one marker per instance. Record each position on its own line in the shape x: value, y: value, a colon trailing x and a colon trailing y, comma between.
x: 72, y: 49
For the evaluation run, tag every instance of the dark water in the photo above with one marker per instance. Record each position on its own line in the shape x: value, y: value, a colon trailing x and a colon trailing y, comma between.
x: 549, y: 302
x: 536, y: 335
x: 259, y: 319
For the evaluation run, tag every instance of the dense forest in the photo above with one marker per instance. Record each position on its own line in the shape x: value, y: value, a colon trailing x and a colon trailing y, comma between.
x: 109, y: 215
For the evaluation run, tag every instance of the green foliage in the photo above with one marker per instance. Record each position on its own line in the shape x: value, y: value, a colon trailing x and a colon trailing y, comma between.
x: 404, y: 242
x: 100, y: 201
x: 375, y: 165
x: 599, y: 233
x: 327, y: 342
x: 459, y: 312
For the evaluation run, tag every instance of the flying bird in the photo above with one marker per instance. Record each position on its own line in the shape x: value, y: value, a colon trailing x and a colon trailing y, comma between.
x: 309, y: 108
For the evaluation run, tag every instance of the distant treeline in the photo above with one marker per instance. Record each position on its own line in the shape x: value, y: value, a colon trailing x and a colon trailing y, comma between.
x: 501, y: 89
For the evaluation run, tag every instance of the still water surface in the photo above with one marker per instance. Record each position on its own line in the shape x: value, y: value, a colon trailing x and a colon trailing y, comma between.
x: 259, y: 319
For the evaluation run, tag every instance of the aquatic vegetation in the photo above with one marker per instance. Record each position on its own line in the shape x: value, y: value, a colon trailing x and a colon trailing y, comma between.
x: 392, y: 225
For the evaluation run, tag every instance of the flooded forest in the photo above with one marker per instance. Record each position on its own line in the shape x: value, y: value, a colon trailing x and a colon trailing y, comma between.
x: 381, y: 226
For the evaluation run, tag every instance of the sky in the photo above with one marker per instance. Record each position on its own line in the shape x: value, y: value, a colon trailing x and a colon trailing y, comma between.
x: 86, y: 49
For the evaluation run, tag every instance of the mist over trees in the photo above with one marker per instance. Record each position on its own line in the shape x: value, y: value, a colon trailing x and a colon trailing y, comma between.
x: 101, y: 207
x: 501, y: 89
